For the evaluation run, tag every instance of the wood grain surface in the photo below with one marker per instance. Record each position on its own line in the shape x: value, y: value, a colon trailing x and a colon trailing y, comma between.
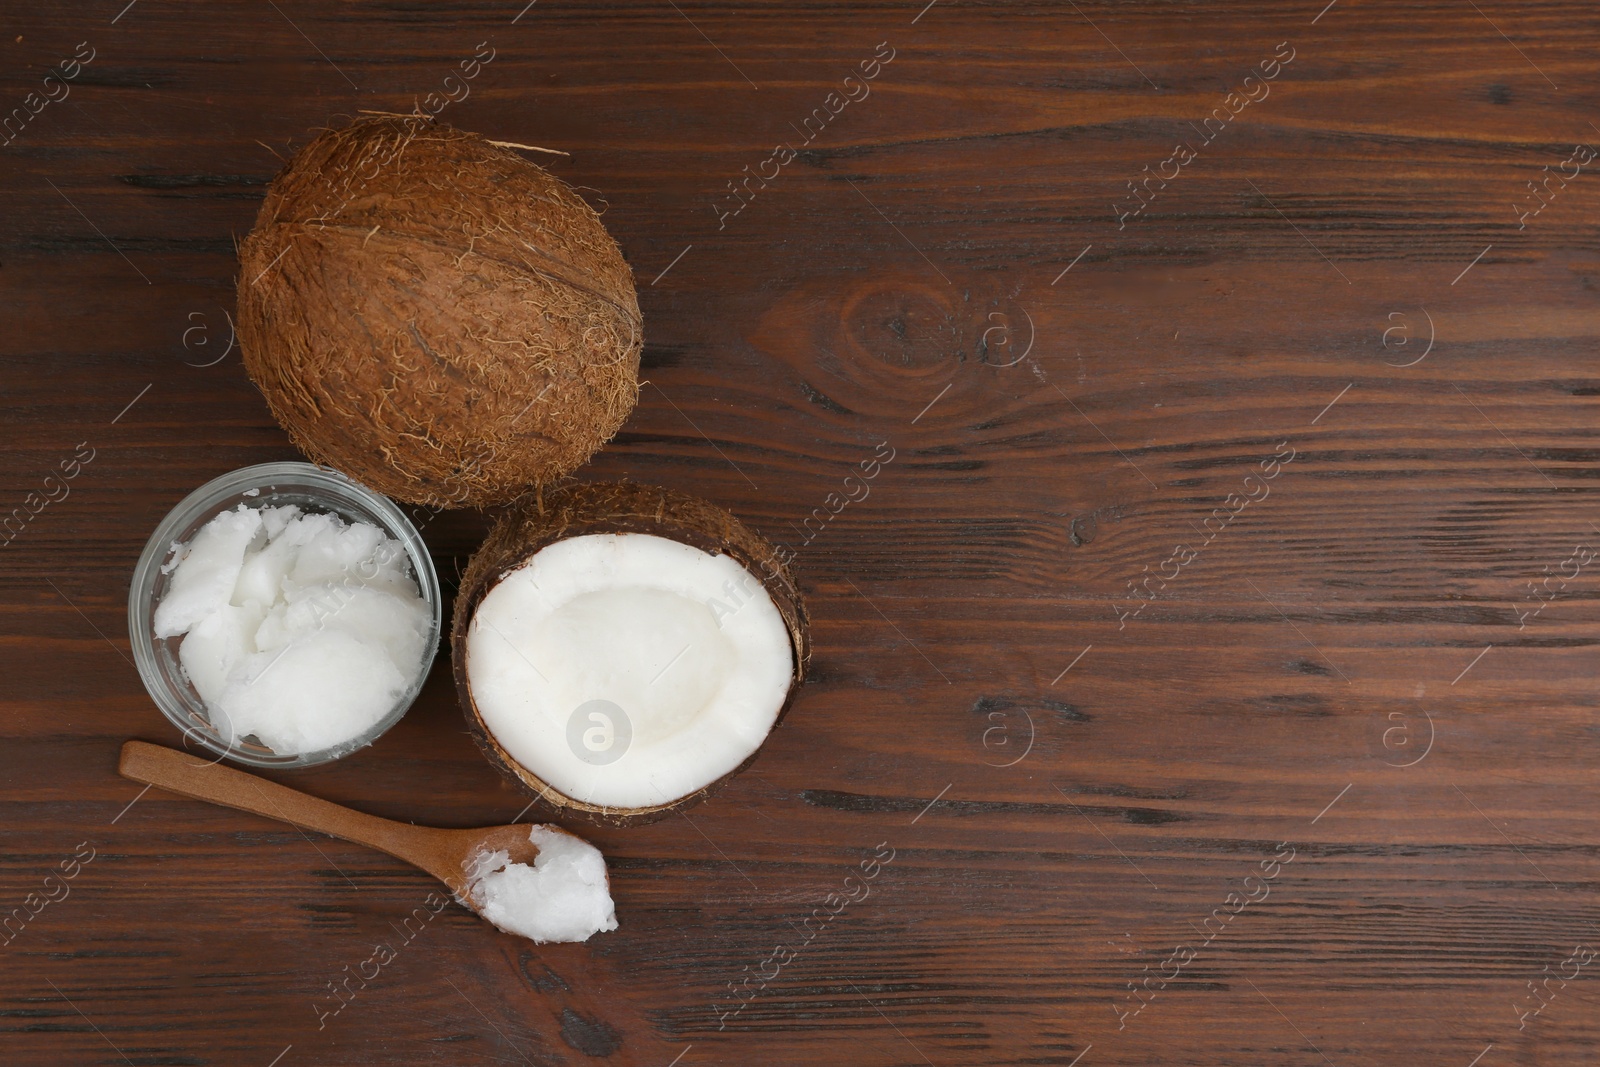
x: 1178, y: 763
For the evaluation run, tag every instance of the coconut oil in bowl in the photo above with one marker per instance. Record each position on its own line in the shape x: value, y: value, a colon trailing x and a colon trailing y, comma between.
x: 309, y: 606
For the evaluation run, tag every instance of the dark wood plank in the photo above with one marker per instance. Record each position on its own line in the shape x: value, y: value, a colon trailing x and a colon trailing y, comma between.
x: 1340, y: 668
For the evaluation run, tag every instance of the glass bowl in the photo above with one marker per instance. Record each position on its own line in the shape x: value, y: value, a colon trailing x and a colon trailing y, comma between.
x: 314, y: 489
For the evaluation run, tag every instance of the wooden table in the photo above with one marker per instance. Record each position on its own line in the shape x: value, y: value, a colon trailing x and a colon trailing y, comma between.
x: 1215, y: 655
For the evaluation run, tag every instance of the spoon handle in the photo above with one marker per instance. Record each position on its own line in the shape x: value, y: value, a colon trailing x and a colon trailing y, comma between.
x: 187, y: 775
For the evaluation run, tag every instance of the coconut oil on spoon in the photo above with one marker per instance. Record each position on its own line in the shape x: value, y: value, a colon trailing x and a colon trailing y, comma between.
x: 537, y: 881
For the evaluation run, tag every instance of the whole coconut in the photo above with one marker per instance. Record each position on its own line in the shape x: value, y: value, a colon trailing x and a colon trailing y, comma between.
x: 436, y: 316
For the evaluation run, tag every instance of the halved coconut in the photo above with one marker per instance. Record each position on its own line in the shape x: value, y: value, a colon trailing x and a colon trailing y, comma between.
x: 623, y: 649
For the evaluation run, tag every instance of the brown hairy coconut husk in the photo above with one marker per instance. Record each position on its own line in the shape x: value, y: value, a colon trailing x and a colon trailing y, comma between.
x: 595, y: 508
x: 436, y: 316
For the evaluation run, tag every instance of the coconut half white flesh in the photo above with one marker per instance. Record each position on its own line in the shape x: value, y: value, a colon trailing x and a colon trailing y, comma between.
x: 628, y: 670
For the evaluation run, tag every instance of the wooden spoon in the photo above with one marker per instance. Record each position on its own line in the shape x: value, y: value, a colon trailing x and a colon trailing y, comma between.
x: 446, y: 854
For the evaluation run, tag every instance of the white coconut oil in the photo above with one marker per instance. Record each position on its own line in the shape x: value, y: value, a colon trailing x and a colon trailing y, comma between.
x: 298, y: 629
x: 563, y: 896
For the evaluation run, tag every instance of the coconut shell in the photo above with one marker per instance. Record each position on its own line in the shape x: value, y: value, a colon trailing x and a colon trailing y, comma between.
x: 596, y: 508
x: 436, y: 316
